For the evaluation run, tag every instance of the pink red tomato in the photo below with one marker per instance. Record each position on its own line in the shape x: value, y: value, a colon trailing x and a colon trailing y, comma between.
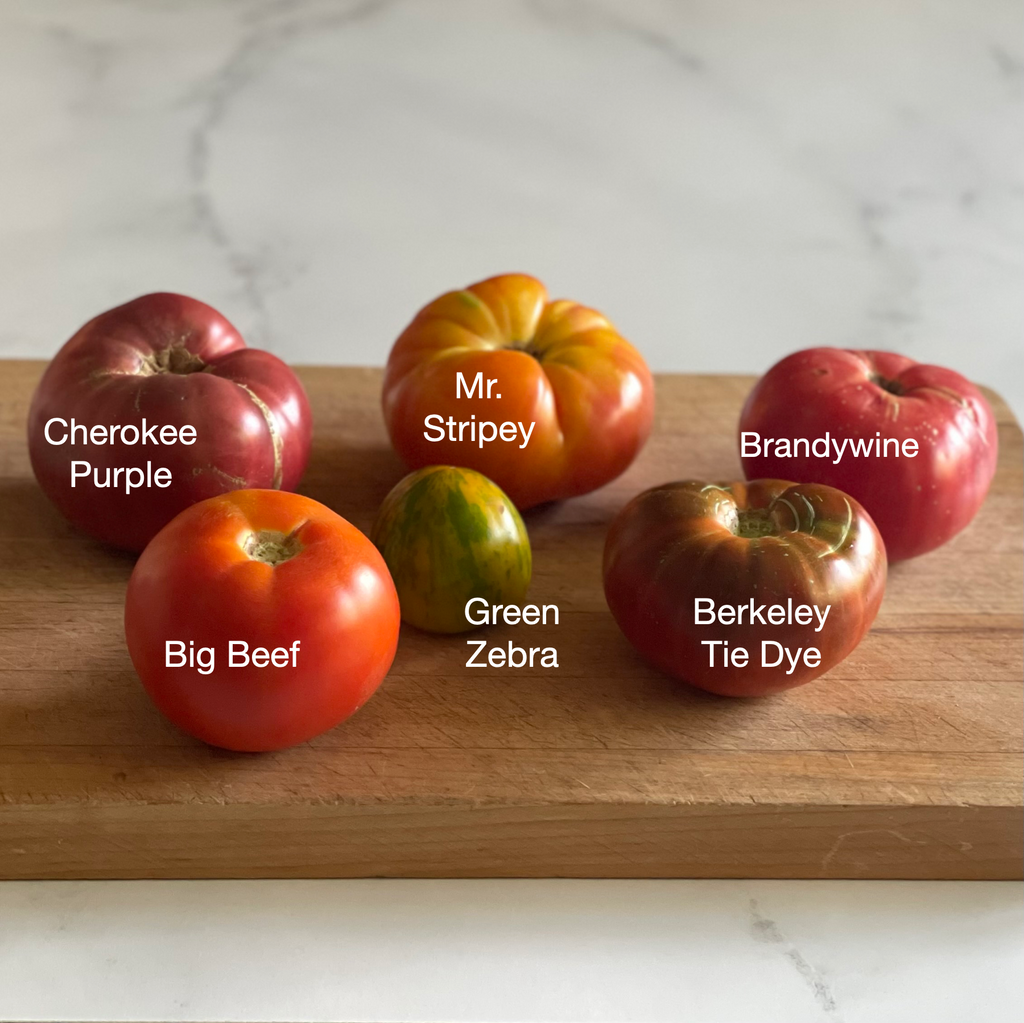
x: 918, y: 502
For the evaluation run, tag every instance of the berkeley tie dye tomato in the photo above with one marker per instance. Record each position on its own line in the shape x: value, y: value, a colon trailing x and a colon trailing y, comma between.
x: 790, y: 574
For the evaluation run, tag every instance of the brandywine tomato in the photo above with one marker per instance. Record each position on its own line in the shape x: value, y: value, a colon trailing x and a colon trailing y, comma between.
x: 918, y: 502
x: 274, y: 571
x: 447, y: 535
x: 545, y: 398
x: 162, y: 360
x: 755, y: 544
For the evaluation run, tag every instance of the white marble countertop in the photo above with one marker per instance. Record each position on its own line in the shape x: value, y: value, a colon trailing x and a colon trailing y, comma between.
x: 728, y: 181
x: 465, y: 951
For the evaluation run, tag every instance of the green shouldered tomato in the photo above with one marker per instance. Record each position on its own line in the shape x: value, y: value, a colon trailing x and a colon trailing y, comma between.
x: 448, y: 535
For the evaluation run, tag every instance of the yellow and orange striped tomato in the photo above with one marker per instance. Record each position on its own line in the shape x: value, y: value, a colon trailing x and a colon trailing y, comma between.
x: 543, y: 397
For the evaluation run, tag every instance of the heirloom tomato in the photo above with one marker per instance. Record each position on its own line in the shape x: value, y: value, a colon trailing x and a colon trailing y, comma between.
x: 259, y: 619
x: 545, y: 398
x: 792, y: 574
x: 155, y: 405
x: 448, y: 535
x: 916, y: 445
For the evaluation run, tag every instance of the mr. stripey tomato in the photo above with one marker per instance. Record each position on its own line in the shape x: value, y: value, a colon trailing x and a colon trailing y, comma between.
x: 544, y: 398
x: 916, y: 445
x: 259, y: 619
x: 744, y: 589
x: 155, y: 405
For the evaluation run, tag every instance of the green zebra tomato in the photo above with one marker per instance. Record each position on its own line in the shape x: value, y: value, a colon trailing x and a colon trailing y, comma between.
x: 448, y: 535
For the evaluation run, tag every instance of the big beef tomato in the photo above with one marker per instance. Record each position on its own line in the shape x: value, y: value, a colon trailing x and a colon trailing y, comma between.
x: 752, y: 556
x: 923, y: 486
x: 162, y: 361
x: 545, y: 398
x: 303, y: 595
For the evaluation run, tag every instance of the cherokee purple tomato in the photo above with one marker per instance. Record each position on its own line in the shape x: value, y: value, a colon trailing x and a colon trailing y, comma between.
x: 162, y: 360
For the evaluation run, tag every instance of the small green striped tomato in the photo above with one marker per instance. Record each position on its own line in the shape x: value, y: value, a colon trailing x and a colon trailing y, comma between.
x: 448, y: 535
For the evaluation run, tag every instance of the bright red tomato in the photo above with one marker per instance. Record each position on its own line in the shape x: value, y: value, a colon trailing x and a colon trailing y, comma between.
x: 163, y: 361
x: 302, y: 593
x: 791, y: 573
x: 918, y: 501
x: 544, y: 398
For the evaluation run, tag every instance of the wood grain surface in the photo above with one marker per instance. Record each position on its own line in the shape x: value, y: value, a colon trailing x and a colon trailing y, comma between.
x: 904, y: 761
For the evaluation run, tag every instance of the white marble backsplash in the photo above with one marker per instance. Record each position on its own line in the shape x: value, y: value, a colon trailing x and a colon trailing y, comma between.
x: 728, y: 180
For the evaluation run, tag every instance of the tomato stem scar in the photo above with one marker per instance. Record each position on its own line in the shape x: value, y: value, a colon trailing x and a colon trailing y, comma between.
x: 892, y: 386
x: 272, y: 547
x: 754, y: 522
x: 174, y: 358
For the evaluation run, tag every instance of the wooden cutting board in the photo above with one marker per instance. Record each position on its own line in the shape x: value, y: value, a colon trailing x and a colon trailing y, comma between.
x: 903, y: 762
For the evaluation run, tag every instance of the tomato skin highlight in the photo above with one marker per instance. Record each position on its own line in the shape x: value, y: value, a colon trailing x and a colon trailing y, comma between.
x: 558, y: 364
x: 172, y: 360
x: 769, y: 540
x: 196, y: 581
x: 918, y: 503
x: 449, y: 534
